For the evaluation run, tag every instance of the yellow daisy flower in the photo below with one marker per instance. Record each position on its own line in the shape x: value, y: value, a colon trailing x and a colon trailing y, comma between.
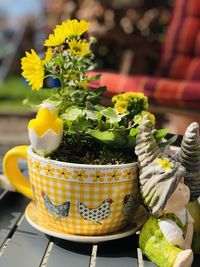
x: 74, y: 28
x: 79, y: 48
x: 33, y: 70
x: 68, y: 29
x: 165, y: 164
x: 48, y: 55
x: 57, y: 38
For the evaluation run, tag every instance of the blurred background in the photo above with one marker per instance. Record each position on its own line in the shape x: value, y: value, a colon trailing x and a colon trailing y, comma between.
x: 130, y: 35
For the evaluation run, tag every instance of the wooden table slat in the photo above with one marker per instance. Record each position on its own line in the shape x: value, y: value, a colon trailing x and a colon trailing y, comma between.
x: 12, y: 207
x: 69, y: 254
x: 118, y: 253
x: 26, y: 247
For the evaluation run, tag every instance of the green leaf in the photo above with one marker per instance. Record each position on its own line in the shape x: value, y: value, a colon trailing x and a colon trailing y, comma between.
x: 96, y: 77
x: 90, y: 106
x: 103, y: 126
x: 111, y: 114
x: 94, y: 95
x: 133, y: 132
x: 115, y: 139
x: 137, y: 119
x: 72, y: 114
x: 159, y: 134
x: 90, y: 68
x: 56, y: 103
x: 169, y: 141
x: 92, y: 115
x: 91, y: 111
x: 80, y: 125
x: 100, y: 90
x: 172, y: 139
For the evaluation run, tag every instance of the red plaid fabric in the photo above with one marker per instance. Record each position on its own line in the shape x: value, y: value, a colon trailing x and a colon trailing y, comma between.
x: 166, y: 92
x: 181, y: 52
x: 176, y: 83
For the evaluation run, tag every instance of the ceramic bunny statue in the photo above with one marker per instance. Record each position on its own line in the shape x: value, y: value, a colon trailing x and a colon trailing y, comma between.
x: 189, y: 156
x: 167, y: 235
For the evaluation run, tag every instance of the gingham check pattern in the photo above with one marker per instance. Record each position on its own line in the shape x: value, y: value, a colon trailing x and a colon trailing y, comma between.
x: 90, y: 193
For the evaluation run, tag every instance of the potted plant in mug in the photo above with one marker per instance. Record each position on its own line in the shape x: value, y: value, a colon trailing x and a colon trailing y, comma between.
x: 83, y: 174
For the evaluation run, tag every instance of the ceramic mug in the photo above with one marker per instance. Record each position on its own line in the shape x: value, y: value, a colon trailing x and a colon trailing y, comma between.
x: 76, y: 198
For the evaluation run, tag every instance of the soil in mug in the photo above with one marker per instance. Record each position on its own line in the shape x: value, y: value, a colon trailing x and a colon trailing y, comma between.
x: 89, y: 151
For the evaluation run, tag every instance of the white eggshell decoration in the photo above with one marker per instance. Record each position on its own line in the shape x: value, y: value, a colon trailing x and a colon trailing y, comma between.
x: 46, y: 130
x: 46, y: 144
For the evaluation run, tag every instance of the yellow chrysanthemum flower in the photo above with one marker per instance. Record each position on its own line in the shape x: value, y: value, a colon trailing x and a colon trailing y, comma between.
x: 120, y: 106
x: 48, y: 55
x: 33, y: 70
x: 128, y: 95
x: 68, y: 29
x: 136, y: 95
x: 79, y: 48
x: 116, y: 98
x: 121, y: 110
x: 74, y: 28
x: 151, y: 116
x: 57, y: 38
x: 122, y: 103
x: 135, y: 101
x: 165, y: 164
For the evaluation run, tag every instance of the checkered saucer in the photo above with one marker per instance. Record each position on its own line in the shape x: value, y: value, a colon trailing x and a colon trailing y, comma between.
x: 34, y: 218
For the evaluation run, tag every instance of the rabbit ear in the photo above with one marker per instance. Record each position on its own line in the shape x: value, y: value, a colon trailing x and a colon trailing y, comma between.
x: 189, y: 156
x: 146, y: 147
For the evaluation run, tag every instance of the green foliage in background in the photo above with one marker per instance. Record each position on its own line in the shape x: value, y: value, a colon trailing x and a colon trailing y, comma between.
x: 15, y: 93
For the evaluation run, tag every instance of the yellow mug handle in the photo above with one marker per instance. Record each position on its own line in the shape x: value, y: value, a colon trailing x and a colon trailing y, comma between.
x: 12, y: 172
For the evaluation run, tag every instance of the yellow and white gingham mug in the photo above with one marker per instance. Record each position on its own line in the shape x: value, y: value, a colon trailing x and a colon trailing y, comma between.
x: 76, y: 198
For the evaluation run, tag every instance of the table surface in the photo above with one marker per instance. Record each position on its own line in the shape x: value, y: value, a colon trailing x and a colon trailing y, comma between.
x: 21, y: 245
